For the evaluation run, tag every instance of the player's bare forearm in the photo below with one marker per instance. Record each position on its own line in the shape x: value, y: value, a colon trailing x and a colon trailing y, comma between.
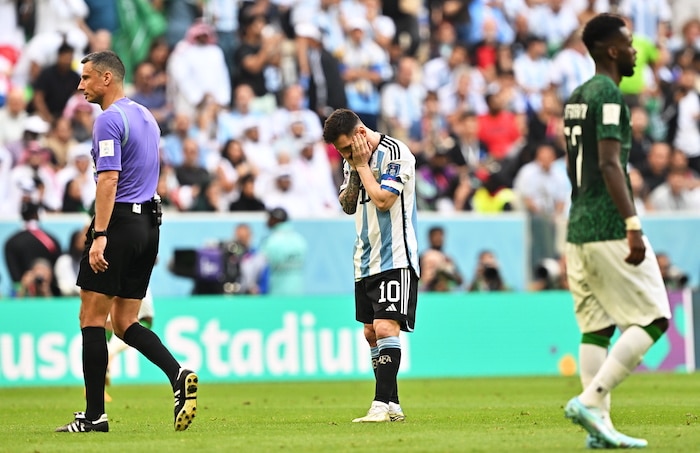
x: 617, y: 188
x: 382, y: 199
x: 348, y: 197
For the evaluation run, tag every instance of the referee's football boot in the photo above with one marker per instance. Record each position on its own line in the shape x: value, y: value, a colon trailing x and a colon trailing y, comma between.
x: 82, y: 425
x: 395, y: 412
x: 378, y: 412
x: 185, y: 392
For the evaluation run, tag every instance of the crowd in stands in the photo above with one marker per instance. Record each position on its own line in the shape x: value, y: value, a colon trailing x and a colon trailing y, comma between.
x: 241, y: 89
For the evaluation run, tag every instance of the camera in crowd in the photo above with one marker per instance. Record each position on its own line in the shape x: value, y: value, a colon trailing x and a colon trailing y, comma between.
x: 215, y: 269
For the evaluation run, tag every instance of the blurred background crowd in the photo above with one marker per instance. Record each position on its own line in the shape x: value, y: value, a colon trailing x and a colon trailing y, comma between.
x: 241, y: 89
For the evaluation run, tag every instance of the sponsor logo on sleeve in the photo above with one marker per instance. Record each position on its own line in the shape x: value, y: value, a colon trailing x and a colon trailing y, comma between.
x: 106, y: 148
x: 611, y: 114
x: 393, y: 169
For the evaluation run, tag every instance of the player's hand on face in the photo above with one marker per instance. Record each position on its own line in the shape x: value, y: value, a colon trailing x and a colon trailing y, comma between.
x: 637, y: 247
x: 347, y: 155
x: 96, y: 257
x: 360, y: 150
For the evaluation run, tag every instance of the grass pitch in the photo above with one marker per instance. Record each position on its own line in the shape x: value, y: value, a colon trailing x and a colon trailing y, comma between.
x: 445, y: 415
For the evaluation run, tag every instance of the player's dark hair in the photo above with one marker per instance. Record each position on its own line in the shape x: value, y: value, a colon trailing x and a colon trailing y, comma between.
x: 340, y: 122
x: 106, y: 60
x: 601, y: 28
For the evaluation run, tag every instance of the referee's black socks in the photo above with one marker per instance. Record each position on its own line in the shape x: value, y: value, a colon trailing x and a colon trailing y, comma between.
x: 148, y: 344
x: 95, y: 359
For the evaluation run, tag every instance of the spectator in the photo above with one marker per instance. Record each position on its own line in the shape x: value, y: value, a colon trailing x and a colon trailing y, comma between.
x: 494, y: 195
x: 193, y: 179
x: 283, y: 195
x: 402, y: 102
x: 542, y: 186
x: 60, y: 140
x: 468, y: 152
x: 555, y: 20
x: 319, y: 72
x: 41, y: 51
x: 292, y: 110
x: 12, y: 117
x: 679, y: 162
x: 499, y: 129
x: 640, y: 191
x: 172, y: 144
x: 257, y: 60
x: 67, y: 265
x: 312, y: 179
x: 438, y: 270
x: 547, y: 124
x: 461, y: 94
x: 55, y: 85
x: 533, y: 71
x: 232, y: 167
x: 650, y: 17
x: 364, y: 68
x: 24, y: 247
x: 571, y: 66
x: 641, y: 141
x: 247, y: 201
x: 656, y: 167
x: 230, y: 122
x: 36, y: 176
x: 36, y: 282
x: 647, y: 54
x: 550, y: 274
x: 404, y: 15
x: 146, y: 93
x: 158, y: 56
x: 487, y: 276
x: 285, y: 251
x: 77, y: 180
x: 436, y: 182
x: 675, y: 194
x: 6, y: 207
x: 674, y: 278
x: 440, y: 71
x: 197, y: 69
x: 253, y: 272
x: 684, y: 127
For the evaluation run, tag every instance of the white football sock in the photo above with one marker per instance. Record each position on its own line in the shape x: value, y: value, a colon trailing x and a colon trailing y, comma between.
x: 591, y: 358
x: 625, y: 355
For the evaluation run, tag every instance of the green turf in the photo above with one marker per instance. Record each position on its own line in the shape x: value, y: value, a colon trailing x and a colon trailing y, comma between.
x: 456, y: 415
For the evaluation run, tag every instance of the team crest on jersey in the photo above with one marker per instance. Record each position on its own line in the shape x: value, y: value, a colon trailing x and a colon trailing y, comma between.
x: 393, y: 169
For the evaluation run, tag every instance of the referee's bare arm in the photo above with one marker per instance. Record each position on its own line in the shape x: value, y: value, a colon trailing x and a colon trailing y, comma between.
x: 104, y: 200
x: 348, y: 196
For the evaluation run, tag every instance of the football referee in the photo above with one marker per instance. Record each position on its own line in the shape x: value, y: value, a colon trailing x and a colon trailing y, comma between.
x: 122, y: 243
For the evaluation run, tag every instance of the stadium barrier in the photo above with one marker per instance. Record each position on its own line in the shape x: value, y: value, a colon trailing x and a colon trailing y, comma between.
x: 247, y: 338
x: 329, y: 263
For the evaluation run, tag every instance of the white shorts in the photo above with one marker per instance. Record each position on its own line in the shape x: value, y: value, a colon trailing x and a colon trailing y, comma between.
x: 146, y: 310
x: 608, y: 291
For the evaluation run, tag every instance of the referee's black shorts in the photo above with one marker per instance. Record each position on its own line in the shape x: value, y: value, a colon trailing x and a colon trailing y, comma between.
x: 391, y: 294
x: 132, y: 248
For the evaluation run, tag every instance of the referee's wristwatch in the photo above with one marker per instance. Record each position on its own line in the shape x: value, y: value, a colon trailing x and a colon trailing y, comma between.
x: 95, y: 234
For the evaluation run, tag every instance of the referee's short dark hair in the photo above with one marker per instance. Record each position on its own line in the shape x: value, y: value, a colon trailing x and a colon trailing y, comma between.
x: 106, y: 60
x: 601, y: 28
x: 340, y: 122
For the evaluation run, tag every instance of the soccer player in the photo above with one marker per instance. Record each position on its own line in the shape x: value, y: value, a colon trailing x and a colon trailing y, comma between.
x: 611, y: 268
x: 122, y: 243
x: 379, y: 188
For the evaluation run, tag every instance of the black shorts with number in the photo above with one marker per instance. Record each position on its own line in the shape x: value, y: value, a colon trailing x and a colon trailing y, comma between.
x: 132, y: 248
x: 390, y: 294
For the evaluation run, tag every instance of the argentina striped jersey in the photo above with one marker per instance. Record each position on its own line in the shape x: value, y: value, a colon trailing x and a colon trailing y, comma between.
x: 387, y: 239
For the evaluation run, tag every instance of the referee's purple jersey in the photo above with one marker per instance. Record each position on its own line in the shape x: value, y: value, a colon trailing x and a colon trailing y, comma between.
x: 125, y: 138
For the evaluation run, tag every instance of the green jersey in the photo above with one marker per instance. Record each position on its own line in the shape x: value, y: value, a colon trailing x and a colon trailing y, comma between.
x: 595, y: 111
